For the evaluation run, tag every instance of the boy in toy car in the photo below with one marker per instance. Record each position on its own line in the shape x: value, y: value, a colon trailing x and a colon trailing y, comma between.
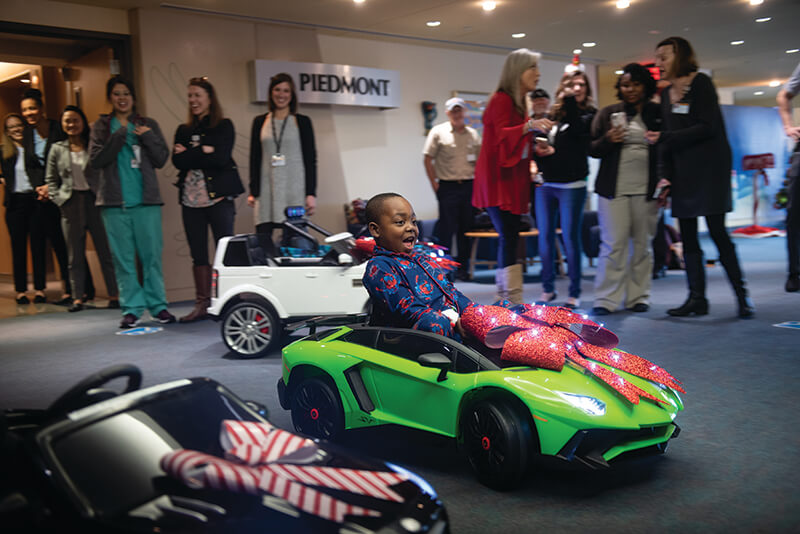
x: 407, y: 290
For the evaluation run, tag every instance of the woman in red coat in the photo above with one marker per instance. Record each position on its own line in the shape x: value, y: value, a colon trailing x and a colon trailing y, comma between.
x: 502, y: 173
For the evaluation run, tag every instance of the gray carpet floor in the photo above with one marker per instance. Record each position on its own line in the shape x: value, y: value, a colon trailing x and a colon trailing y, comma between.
x: 733, y: 468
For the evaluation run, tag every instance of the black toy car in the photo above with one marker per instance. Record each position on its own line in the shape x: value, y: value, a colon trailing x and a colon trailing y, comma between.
x: 92, y: 462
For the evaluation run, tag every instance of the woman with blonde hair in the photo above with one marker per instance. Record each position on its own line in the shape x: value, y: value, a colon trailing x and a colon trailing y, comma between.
x: 562, y: 157
x: 502, y: 172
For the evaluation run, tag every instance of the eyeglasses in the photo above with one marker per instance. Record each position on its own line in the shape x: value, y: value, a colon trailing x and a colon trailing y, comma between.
x: 198, y: 80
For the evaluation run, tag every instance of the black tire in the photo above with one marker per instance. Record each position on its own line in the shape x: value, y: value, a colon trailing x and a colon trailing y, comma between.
x: 317, y: 409
x: 251, y: 329
x: 496, y: 438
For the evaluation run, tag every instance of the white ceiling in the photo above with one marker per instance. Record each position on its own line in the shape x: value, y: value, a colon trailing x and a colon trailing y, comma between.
x: 554, y: 27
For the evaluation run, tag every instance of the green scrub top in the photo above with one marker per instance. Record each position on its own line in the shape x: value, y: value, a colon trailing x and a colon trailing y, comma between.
x: 130, y: 178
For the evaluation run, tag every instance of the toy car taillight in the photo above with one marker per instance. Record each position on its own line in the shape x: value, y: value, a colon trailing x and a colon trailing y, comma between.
x: 214, y: 284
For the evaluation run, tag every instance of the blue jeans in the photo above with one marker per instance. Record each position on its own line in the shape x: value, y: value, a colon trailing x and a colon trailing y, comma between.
x: 506, y: 224
x: 550, y: 202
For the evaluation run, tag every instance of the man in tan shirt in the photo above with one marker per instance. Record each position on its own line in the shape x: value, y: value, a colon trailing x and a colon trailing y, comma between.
x: 451, y: 151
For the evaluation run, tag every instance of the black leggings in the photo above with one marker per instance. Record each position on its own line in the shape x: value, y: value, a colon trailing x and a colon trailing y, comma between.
x: 196, y: 222
x: 506, y: 224
x: 716, y: 229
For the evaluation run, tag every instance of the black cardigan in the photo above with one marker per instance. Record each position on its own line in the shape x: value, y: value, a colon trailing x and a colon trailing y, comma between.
x: 609, y: 153
x: 570, y: 162
x: 694, y: 153
x: 33, y: 166
x: 219, y: 169
x: 307, y: 146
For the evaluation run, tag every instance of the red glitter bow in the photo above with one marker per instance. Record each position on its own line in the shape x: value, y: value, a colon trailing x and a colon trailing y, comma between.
x: 265, y: 459
x: 545, y: 336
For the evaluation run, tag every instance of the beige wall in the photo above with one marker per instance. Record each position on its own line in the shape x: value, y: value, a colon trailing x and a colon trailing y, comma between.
x: 65, y: 15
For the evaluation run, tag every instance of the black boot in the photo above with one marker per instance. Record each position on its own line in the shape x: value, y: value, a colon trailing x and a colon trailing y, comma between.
x: 695, y: 304
x: 730, y: 262
x: 696, y: 278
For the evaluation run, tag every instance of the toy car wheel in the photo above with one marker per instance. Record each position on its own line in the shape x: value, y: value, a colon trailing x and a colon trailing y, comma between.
x: 251, y: 329
x: 317, y: 410
x: 496, y: 439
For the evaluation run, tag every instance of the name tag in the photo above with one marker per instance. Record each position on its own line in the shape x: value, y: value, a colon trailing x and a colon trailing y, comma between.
x: 681, y: 108
x: 278, y: 160
x: 195, y: 140
x: 471, y: 158
x: 137, y: 156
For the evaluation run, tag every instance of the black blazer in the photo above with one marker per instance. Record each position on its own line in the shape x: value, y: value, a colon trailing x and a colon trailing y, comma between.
x: 219, y: 169
x: 7, y: 168
x: 307, y: 146
x: 33, y: 165
x: 609, y: 153
x: 694, y: 153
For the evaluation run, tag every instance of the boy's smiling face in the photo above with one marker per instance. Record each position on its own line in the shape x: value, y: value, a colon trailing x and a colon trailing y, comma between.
x: 396, y: 229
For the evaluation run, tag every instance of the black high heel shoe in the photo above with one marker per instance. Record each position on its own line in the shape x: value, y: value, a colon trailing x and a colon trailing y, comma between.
x: 693, y: 305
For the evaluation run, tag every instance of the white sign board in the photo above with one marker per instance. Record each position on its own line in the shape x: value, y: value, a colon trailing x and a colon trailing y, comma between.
x: 323, y: 83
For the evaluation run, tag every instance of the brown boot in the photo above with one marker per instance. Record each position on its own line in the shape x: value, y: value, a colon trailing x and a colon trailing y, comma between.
x: 202, y: 289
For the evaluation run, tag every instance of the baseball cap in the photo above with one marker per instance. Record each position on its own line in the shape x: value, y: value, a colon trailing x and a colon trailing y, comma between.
x: 539, y: 93
x: 453, y: 102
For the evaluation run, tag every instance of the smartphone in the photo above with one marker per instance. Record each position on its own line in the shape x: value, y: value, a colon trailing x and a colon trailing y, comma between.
x: 658, y: 191
x: 619, y: 119
x: 542, y: 140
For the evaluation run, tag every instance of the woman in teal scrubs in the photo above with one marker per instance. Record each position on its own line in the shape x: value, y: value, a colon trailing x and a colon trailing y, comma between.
x: 127, y: 149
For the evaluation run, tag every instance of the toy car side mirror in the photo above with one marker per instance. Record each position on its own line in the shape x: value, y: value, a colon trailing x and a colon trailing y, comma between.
x: 345, y: 259
x: 437, y: 361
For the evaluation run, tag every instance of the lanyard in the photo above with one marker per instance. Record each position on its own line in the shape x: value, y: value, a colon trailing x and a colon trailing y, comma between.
x: 278, y: 140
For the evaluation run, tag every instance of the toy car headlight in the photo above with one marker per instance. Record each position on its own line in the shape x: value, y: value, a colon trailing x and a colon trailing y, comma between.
x: 590, y: 405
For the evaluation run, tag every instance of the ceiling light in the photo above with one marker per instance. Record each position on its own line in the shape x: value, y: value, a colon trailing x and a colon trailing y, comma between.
x: 25, y: 80
x: 737, y: 43
x: 758, y: 93
x: 589, y: 44
x: 793, y: 50
x: 618, y: 72
x: 774, y: 83
x: 623, y: 4
x: 518, y: 35
x: 764, y: 19
x: 489, y: 6
x: 756, y: 2
x: 358, y: 1
x: 577, y: 51
x: 433, y: 23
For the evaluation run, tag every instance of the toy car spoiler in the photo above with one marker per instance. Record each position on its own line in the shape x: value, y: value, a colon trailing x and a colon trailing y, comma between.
x: 335, y: 320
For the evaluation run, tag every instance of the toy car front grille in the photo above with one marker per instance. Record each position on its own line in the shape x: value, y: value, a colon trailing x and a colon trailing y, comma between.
x: 592, y: 447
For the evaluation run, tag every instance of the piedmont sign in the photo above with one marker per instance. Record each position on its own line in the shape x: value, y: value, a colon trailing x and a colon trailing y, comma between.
x: 323, y: 83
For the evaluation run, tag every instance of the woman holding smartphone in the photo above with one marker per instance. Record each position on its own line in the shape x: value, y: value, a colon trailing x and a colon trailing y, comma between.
x: 208, y: 183
x: 502, y: 172
x: 564, y: 164
x: 695, y: 167
x: 625, y: 183
x: 127, y: 149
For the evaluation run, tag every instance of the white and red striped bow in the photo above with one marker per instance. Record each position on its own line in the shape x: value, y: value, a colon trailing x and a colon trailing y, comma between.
x: 257, y: 463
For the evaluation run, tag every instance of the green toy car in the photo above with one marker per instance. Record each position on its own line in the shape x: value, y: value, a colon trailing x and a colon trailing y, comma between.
x: 502, y: 414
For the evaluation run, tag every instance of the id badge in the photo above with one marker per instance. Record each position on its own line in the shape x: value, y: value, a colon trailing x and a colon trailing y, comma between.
x: 195, y: 140
x: 681, y: 108
x: 137, y: 156
x: 278, y: 160
x: 471, y: 158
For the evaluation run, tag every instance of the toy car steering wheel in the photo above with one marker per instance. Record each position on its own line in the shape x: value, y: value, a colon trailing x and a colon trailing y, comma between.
x: 71, y: 398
